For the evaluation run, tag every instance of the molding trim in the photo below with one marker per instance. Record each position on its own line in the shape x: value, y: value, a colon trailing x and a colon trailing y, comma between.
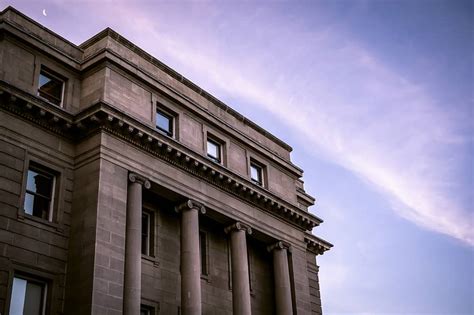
x: 316, y: 245
x: 104, y: 117
x: 135, y: 178
x: 238, y: 226
x: 279, y: 245
x: 190, y: 204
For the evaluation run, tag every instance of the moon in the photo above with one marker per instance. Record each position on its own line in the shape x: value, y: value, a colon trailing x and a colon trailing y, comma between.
x: 44, y: 12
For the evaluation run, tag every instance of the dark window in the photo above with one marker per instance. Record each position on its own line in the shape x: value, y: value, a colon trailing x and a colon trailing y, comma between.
x: 164, y: 122
x: 146, y: 310
x: 147, y: 233
x: 50, y: 87
x: 203, y: 251
x: 28, y: 296
x: 256, y: 173
x: 214, y: 150
x: 39, y: 192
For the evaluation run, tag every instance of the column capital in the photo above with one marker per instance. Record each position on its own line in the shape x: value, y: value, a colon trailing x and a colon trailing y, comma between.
x: 190, y: 204
x: 135, y: 178
x: 279, y: 245
x: 237, y: 226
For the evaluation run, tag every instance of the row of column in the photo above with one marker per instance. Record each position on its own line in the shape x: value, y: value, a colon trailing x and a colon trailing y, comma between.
x: 191, y: 259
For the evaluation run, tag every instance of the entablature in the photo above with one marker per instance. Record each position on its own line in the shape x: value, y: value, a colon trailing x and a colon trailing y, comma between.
x: 105, y: 117
x: 316, y: 245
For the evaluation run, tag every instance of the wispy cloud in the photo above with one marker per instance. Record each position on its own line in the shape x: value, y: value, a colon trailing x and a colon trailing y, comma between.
x: 361, y: 114
x: 354, y: 109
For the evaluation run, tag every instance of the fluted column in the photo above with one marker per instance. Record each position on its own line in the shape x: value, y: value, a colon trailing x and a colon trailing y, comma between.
x: 281, y: 273
x: 133, y: 257
x: 190, y: 257
x: 240, y: 268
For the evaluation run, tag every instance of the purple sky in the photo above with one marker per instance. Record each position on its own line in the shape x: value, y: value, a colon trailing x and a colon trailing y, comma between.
x: 376, y: 98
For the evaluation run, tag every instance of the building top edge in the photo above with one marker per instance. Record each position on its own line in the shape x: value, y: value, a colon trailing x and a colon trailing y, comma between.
x: 108, y: 32
x: 72, y: 46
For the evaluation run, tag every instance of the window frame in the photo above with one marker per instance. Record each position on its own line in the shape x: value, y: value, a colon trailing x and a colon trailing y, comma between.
x: 172, y: 121
x: 52, y: 75
x: 220, y: 150
x: 151, y: 233
x: 261, y: 169
x: 41, y: 170
x: 204, y: 238
x: 46, y: 290
x: 151, y: 310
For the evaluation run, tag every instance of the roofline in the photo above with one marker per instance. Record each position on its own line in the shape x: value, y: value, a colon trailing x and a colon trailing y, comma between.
x: 108, y: 32
x: 10, y: 8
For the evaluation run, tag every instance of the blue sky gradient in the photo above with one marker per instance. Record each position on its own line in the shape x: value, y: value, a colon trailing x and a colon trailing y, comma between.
x: 376, y: 98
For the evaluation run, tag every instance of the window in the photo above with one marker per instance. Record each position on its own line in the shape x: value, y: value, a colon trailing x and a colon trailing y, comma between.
x: 256, y: 173
x: 50, y: 87
x: 164, y: 122
x: 39, y: 195
x: 147, y: 233
x: 28, y: 296
x: 214, y: 150
x: 146, y: 310
x: 203, y: 251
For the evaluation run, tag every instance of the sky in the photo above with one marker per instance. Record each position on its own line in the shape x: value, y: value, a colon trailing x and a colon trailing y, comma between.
x: 376, y: 99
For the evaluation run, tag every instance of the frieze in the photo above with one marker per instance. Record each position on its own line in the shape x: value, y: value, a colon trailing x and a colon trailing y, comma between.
x: 103, y: 117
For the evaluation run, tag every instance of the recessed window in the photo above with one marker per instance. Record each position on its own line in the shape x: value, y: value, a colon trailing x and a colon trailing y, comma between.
x: 39, y: 195
x: 147, y: 310
x: 204, y: 253
x: 214, y: 151
x: 28, y: 296
x: 147, y: 233
x: 164, y: 122
x: 50, y: 87
x: 256, y: 173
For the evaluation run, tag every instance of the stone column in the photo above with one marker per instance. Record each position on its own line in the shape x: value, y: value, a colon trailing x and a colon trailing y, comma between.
x: 190, y: 257
x: 281, y: 275
x: 133, y: 255
x: 240, y: 268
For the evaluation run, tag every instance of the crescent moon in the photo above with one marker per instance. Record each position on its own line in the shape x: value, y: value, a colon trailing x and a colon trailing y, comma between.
x: 44, y: 12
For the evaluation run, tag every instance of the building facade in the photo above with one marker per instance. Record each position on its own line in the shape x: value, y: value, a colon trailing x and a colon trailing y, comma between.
x: 127, y: 189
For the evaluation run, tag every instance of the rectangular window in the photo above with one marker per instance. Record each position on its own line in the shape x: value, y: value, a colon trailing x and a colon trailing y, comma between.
x: 256, y: 173
x: 147, y: 233
x: 203, y: 251
x: 50, y: 87
x: 39, y: 195
x: 146, y: 310
x: 164, y: 122
x: 214, y: 150
x: 28, y: 296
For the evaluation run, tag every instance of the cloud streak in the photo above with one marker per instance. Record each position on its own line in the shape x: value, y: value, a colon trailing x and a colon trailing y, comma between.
x: 354, y: 109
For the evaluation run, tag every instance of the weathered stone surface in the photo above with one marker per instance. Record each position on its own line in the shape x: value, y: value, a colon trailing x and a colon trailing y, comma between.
x: 103, y: 132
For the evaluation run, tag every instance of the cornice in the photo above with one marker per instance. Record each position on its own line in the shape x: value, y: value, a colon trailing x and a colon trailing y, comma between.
x: 316, y: 245
x: 74, y: 53
x: 108, y: 32
x: 103, y: 117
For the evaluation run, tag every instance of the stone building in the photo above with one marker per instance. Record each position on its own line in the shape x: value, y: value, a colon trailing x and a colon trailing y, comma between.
x: 126, y: 188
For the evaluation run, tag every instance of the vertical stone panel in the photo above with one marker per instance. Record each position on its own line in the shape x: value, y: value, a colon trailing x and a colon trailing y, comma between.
x: 237, y: 160
x: 82, y: 247
x: 190, y: 132
x: 313, y: 278
x: 19, y: 66
x: 300, y: 276
x: 111, y: 217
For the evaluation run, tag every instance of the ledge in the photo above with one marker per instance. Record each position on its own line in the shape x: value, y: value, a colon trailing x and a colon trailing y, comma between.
x: 103, y: 117
x: 316, y: 245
